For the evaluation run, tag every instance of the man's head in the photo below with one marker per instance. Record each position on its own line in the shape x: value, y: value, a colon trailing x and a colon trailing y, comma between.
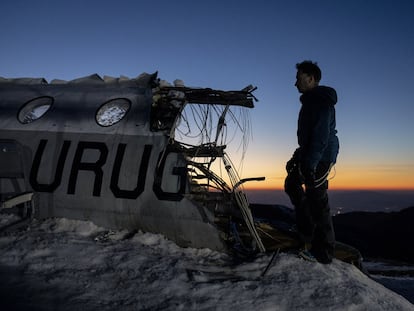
x: 308, y: 76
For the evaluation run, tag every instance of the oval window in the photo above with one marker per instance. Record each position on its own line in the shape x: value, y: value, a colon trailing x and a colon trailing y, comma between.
x: 112, y: 111
x: 34, y: 109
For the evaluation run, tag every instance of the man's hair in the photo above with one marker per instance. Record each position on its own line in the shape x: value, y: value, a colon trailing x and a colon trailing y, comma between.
x: 310, y: 68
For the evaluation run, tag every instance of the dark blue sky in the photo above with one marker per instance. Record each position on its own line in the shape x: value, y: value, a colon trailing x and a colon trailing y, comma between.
x: 365, y: 50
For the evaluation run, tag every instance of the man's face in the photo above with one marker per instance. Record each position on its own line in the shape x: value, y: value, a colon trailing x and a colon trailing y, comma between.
x: 304, y: 82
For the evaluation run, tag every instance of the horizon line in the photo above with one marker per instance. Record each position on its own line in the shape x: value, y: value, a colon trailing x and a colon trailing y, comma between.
x: 335, y: 189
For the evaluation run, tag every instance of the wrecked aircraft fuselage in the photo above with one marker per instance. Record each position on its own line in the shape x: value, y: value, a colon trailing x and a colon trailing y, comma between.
x: 105, y: 150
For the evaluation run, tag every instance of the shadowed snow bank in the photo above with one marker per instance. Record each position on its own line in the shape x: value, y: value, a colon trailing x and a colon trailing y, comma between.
x: 61, y: 264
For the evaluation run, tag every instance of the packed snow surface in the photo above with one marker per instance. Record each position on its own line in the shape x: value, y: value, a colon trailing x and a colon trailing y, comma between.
x: 61, y: 264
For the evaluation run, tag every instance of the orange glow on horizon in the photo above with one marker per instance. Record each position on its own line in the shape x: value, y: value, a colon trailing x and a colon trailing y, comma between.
x: 345, y: 176
x: 359, y: 176
x: 347, y: 182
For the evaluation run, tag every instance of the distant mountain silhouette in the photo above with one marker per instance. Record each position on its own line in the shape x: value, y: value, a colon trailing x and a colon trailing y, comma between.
x: 378, y: 234
x: 344, y: 201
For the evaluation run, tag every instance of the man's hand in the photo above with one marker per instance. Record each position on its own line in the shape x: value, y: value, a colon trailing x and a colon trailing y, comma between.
x: 291, y: 164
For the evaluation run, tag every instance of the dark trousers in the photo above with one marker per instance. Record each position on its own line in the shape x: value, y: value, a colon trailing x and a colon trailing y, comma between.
x: 313, y: 217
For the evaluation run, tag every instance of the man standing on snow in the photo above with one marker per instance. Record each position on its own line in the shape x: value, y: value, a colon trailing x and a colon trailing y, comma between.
x: 311, y: 163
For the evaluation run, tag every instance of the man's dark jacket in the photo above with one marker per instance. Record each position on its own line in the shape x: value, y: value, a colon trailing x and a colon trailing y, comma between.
x: 317, y: 128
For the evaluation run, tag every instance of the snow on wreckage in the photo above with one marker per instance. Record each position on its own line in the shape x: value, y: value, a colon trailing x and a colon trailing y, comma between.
x: 136, y: 154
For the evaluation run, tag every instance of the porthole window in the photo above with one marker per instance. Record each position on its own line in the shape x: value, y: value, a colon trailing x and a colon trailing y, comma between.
x: 34, y: 109
x: 112, y: 111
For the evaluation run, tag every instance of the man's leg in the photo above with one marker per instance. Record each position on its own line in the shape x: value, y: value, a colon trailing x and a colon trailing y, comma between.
x: 294, y: 189
x: 323, y: 242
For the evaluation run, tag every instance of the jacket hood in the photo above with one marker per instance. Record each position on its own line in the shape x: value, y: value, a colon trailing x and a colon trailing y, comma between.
x: 324, y: 95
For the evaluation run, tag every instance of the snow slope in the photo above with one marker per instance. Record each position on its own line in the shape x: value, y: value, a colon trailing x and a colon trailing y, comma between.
x: 61, y: 264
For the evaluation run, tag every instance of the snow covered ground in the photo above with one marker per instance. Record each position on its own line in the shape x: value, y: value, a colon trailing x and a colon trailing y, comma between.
x: 61, y: 264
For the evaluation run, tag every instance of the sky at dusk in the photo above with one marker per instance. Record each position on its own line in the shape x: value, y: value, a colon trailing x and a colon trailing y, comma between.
x: 364, y: 48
